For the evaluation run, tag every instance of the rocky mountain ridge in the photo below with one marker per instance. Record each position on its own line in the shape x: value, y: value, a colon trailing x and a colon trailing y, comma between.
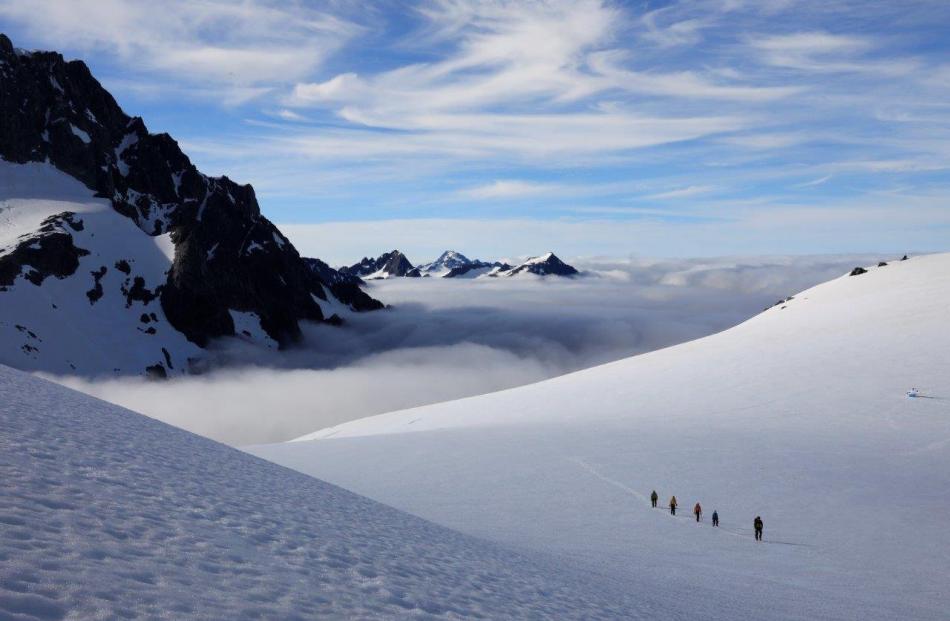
x: 453, y: 264
x: 227, y: 257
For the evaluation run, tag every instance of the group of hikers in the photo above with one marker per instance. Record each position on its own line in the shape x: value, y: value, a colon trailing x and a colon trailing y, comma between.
x: 757, y: 523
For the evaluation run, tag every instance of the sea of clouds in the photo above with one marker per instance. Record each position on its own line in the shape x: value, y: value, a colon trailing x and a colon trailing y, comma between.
x: 447, y: 339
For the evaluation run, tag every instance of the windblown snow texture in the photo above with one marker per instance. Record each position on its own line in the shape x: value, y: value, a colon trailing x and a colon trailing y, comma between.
x: 799, y: 415
x: 108, y: 514
x: 227, y: 256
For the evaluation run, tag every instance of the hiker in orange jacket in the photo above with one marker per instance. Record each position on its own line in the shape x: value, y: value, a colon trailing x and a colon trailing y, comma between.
x: 673, y: 504
x: 697, y: 511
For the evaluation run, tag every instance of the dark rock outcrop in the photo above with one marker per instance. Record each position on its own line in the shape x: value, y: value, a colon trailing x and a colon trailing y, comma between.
x: 858, y: 271
x: 227, y: 255
x: 461, y: 270
x: 50, y: 252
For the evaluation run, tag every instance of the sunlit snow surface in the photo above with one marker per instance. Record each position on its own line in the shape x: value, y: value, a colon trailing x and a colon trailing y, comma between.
x: 107, y: 514
x: 798, y: 415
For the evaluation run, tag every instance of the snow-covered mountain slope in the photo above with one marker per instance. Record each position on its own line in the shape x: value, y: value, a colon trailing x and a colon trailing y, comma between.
x: 80, y: 284
x: 107, y: 514
x: 99, y: 315
x: 798, y: 415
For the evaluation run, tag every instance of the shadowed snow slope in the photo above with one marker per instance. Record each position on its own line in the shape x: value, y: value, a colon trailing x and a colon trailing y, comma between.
x: 798, y: 415
x: 108, y: 514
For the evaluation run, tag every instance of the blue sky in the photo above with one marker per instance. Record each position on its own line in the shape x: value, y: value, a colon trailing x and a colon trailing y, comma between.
x: 589, y: 128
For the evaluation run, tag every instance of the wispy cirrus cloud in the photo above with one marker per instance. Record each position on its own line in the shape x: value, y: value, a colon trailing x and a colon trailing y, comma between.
x: 527, y: 79
x: 692, y: 190
x: 508, y: 188
x: 831, y: 53
x: 589, y: 108
x: 255, y: 44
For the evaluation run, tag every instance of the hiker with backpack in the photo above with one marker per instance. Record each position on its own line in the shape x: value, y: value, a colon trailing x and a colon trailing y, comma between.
x: 654, y: 497
x: 673, y: 504
x: 757, y: 525
x: 698, y: 511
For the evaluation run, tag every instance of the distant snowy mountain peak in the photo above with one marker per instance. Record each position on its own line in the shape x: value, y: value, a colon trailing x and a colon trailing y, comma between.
x: 547, y: 264
x: 198, y: 253
x: 387, y: 265
x: 447, y: 261
x: 453, y: 264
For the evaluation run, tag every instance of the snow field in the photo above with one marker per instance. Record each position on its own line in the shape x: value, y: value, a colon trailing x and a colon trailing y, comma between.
x: 798, y: 415
x: 107, y: 514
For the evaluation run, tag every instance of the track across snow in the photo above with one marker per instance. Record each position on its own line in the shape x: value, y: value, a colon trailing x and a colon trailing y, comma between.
x: 107, y: 514
x: 798, y: 415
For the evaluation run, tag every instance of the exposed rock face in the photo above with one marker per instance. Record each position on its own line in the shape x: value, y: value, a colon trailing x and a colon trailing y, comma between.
x: 387, y: 265
x: 858, y: 271
x: 50, y: 252
x: 476, y: 265
x: 227, y: 255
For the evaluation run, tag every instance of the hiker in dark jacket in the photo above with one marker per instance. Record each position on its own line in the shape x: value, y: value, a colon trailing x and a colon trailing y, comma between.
x: 673, y: 504
x: 757, y: 524
x: 653, y: 498
x: 715, y: 518
x: 698, y: 511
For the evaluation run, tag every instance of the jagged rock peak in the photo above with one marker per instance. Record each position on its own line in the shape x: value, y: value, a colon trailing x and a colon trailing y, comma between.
x: 387, y: 265
x: 227, y: 256
x: 547, y: 264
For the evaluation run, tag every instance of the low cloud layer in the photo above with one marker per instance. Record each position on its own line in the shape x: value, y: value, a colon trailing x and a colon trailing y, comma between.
x: 446, y: 339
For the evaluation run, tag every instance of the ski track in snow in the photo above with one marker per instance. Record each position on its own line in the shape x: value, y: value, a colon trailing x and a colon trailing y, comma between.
x: 106, y: 514
x: 662, y: 510
x: 586, y: 466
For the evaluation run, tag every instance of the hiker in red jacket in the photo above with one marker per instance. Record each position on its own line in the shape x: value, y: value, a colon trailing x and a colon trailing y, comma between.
x: 697, y: 511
